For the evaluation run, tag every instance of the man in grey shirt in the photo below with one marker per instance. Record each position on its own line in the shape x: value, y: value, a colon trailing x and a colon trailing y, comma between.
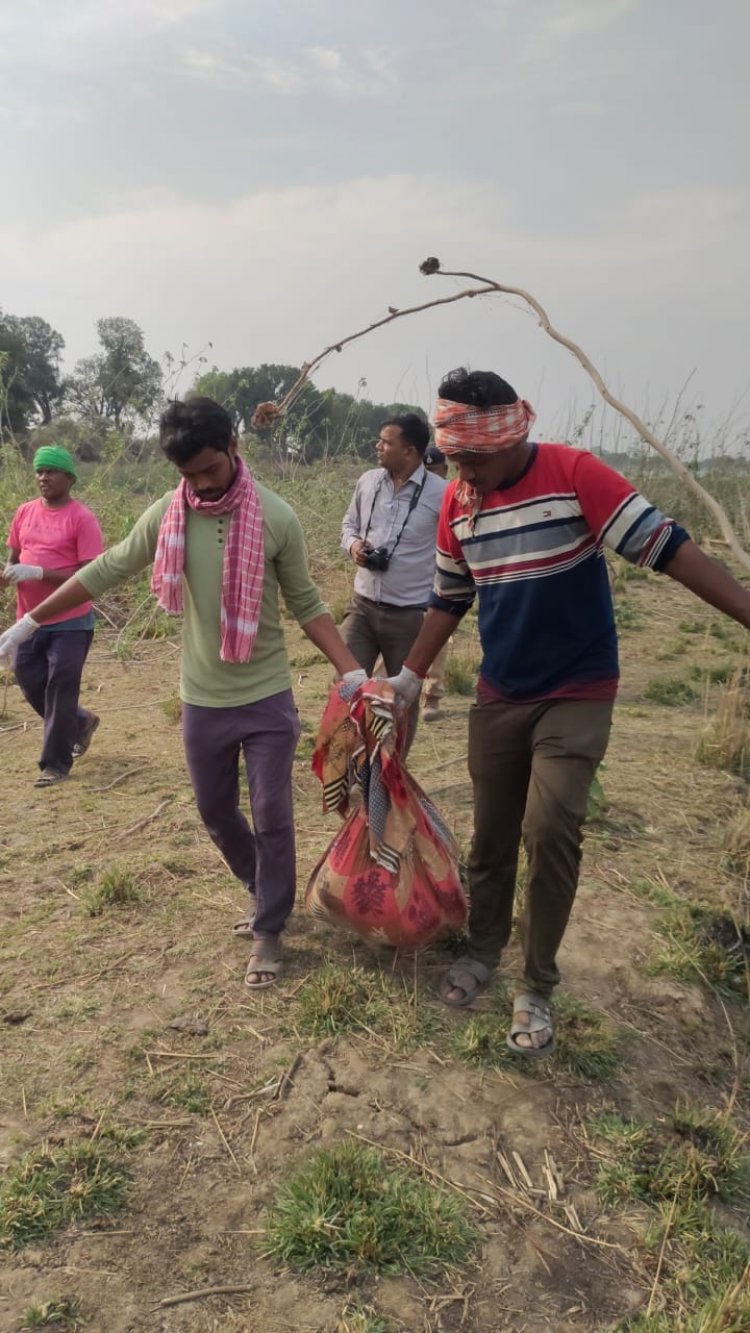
x: 389, y: 531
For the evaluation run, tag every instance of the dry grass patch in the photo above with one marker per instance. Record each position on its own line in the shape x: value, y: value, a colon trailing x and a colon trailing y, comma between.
x: 726, y: 742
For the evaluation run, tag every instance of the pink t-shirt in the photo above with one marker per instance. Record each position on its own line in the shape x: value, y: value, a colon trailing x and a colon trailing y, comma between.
x: 56, y: 539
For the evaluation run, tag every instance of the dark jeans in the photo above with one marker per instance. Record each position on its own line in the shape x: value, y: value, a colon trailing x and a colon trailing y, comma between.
x: 266, y: 734
x: 48, y: 668
x: 532, y: 766
x: 371, y: 629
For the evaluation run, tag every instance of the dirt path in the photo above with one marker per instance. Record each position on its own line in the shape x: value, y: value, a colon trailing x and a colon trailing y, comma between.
x: 217, y: 1121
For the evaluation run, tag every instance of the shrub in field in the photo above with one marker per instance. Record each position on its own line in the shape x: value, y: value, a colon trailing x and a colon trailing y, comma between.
x: 348, y: 1207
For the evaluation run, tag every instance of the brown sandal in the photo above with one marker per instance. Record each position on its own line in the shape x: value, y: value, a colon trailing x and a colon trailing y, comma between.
x: 264, y: 960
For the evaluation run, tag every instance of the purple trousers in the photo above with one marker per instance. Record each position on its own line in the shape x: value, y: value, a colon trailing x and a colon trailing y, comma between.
x: 266, y: 734
x: 48, y: 668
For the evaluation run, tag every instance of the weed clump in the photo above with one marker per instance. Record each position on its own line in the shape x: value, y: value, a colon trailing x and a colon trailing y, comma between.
x: 353, y: 999
x: 187, y: 1092
x: 689, y: 1156
x: 116, y: 888
x: 347, y: 1207
x: 460, y: 674
x: 51, y: 1187
x: 670, y: 691
x: 61, y: 1313
x: 705, y: 945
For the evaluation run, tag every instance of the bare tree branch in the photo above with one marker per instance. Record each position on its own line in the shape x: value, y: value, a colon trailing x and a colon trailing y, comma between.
x: 267, y: 414
x: 676, y: 464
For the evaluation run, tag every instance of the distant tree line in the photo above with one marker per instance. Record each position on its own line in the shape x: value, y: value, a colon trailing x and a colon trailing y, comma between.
x: 116, y: 393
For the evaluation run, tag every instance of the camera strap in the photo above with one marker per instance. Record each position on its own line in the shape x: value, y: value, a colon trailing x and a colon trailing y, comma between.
x: 412, y: 506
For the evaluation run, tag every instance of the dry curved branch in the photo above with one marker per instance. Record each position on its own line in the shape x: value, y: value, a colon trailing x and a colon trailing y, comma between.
x: 269, y: 413
x: 676, y: 464
x: 269, y: 417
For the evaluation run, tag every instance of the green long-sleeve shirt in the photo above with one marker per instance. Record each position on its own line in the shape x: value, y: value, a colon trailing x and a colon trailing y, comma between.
x: 204, y: 678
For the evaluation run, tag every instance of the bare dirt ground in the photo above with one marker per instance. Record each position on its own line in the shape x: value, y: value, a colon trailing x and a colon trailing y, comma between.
x: 221, y: 1123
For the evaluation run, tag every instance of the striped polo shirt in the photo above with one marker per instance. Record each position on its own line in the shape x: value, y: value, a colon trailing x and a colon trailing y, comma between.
x: 534, y: 557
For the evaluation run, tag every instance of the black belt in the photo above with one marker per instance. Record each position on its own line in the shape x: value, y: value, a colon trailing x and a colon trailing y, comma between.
x: 391, y: 606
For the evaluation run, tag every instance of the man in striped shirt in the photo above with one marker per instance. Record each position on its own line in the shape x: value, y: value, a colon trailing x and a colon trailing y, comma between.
x: 522, y: 530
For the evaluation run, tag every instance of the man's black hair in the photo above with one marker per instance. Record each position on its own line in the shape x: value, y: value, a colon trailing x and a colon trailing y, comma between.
x: 414, y: 430
x: 197, y: 423
x: 478, y: 388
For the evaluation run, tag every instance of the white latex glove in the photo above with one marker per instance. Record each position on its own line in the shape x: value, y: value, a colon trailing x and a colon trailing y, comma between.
x: 355, y: 678
x: 407, y: 685
x: 17, y: 634
x: 20, y: 573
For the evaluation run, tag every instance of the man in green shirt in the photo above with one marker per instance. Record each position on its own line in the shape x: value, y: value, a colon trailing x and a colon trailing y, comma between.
x: 223, y: 549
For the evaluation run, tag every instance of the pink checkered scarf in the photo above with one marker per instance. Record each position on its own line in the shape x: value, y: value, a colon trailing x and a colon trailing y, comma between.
x: 463, y: 428
x: 242, y: 581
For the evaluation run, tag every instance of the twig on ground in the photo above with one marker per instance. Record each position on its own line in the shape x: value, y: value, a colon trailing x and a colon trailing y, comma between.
x: 225, y: 1141
x: 134, y: 828
x: 422, y: 1166
x: 662, y: 1249
x: 130, y: 773
x: 201, y: 1293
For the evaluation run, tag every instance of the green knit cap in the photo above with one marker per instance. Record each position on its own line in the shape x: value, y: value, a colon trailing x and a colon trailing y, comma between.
x: 57, y: 456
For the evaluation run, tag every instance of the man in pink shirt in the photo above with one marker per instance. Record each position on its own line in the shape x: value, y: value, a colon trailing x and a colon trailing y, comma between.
x: 50, y: 539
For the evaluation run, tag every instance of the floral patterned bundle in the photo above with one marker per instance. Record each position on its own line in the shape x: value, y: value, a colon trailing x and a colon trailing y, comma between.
x: 391, y: 872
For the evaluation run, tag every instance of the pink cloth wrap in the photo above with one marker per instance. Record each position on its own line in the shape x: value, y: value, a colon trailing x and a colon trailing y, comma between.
x: 463, y: 428
x: 244, y: 568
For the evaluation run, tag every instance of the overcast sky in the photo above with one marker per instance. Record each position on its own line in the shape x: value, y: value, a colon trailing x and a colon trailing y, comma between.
x: 267, y: 178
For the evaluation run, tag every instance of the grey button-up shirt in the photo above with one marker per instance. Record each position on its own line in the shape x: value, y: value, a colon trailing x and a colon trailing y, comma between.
x: 409, y: 577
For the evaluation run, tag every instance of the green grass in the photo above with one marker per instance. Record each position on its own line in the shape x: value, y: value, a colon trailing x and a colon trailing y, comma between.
x: 669, y: 691
x: 714, y: 675
x: 187, y: 1092
x: 460, y: 674
x: 117, y: 887
x: 690, y: 1155
x: 586, y: 1043
x: 60, y: 1312
x: 701, y: 945
x: 597, y: 803
x: 348, y: 1207
x: 627, y: 615
x: 704, y: 1277
x: 51, y: 1187
x: 350, y: 998
x: 172, y: 708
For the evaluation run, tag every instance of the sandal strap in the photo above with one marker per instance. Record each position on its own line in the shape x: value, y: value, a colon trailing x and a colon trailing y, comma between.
x: 536, y: 1006
x: 467, y: 966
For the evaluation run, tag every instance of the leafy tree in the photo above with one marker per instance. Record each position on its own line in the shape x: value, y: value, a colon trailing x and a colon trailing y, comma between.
x: 30, y: 383
x: 119, y: 383
x: 317, y: 423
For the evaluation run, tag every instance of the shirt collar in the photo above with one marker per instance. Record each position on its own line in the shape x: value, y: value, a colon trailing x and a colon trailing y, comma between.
x: 416, y: 478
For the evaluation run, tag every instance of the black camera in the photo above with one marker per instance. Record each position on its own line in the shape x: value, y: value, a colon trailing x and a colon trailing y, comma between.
x: 377, y: 557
